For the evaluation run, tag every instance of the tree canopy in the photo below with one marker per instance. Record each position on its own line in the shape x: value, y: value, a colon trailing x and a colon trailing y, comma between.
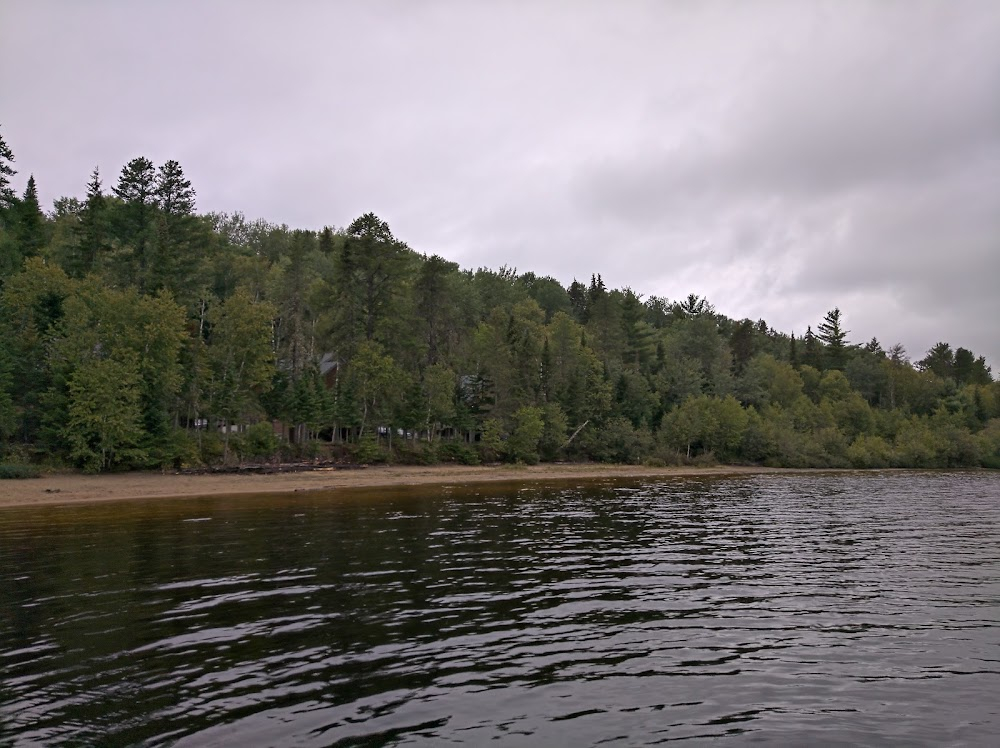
x: 136, y: 333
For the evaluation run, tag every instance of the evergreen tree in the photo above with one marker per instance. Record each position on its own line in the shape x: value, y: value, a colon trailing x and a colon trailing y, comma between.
x: 30, y: 230
x: 137, y: 182
x: 136, y: 188
x: 93, y: 228
x: 178, y: 243
x: 436, y: 314
x: 327, y: 244
x: 294, y: 328
x: 743, y: 345
x: 970, y: 370
x: 7, y: 196
x: 369, y: 275
x: 174, y: 194
x: 578, y: 301
x: 812, y: 355
x: 596, y: 291
x: 835, y: 338
x: 939, y: 360
x: 694, y: 306
x: 639, y: 336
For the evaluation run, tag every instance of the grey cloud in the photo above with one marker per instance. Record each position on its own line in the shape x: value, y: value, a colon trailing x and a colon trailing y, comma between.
x: 780, y: 157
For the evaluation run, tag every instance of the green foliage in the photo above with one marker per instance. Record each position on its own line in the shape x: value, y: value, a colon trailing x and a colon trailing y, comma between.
x: 369, y: 451
x: 834, y: 337
x: 705, y: 424
x: 7, y: 197
x: 210, y: 447
x: 617, y: 440
x: 492, y: 444
x: 529, y: 426
x: 870, y: 452
x: 10, y: 471
x: 134, y: 332
x: 239, y: 356
x: 8, y: 414
x: 180, y: 449
x: 989, y: 444
x: 415, y: 453
x: 554, y: 433
x: 833, y: 386
x: 104, y: 426
x: 766, y: 380
x: 29, y: 226
x: 376, y: 382
x: 459, y: 452
x: 260, y: 441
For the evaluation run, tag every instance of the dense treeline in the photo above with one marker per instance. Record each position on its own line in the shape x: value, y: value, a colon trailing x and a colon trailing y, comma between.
x: 137, y: 333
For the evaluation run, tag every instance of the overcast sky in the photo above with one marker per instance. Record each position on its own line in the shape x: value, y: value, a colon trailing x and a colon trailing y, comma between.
x: 780, y: 158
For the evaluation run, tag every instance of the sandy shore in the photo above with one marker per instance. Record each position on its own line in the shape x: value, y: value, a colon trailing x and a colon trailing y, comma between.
x: 73, y: 488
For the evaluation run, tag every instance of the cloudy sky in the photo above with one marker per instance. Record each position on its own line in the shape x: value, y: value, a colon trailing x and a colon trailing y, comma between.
x: 780, y: 158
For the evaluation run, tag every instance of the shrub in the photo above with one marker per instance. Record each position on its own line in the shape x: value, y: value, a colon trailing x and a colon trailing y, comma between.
x: 870, y: 452
x: 211, y: 446
x: 492, y: 444
x: 259, y: 441
x: 178, y: 450
x: 416, y: 453
x: 17, y: 472
x: 705, y: 459
x: 528, y: 430
x: 459, y: 452
x: 368, y: 451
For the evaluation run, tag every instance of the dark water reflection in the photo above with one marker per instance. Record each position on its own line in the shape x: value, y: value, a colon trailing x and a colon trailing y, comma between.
x: 833, y: 609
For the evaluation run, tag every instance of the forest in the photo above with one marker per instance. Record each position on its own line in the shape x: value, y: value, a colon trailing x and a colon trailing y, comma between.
x: 136, y: 333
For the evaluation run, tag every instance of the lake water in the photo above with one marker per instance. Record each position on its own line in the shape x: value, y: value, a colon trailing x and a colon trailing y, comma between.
x: 838, y: 609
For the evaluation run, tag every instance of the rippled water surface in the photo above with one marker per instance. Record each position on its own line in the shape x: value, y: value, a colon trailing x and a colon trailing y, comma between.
x: 841, y: 609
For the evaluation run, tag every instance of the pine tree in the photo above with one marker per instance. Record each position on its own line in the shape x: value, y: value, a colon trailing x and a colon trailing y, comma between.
x: 694, y: 306
x: 939, y: 360
x: 813, y: 355
x: 7, y: 196
x: 137, y: 182
x: 743, y: 345
x: 370, y: 265
x: 578, y: 301
x: 835, y: 338
x: 137, y: 189
x: 174, y: 194
x: 93, y: 228
x: 30, y: 229
x: 596, y: 291
x: 326, y: 242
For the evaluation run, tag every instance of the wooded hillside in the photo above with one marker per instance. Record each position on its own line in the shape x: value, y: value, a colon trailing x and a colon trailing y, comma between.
x: 137, y: 333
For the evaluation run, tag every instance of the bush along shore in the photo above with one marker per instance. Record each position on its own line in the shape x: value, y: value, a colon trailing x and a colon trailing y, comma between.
x: 136, y: 333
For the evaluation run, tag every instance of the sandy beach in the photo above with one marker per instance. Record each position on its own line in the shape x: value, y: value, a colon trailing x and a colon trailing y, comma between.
x: 78, y: 488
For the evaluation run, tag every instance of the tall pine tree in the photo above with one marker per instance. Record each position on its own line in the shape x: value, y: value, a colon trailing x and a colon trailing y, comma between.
x: 7, y: 196
x: 30, y: 230
x: 835, y: 337
x: 137, y: 189
x: 174, y: 194
x: 93, y: 227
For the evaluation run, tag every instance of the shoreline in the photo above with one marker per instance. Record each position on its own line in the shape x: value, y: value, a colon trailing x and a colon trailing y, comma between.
x: 72, y: 488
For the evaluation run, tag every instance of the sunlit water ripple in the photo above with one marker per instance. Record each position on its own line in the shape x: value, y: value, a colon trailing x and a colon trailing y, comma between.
x: 839, y: 609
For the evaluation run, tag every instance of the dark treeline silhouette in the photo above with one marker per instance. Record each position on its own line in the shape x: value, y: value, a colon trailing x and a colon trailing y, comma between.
x: 137, y: 333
